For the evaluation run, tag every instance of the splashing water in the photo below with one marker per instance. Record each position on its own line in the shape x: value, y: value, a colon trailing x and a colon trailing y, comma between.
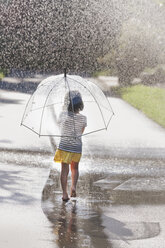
x: 52, y: 35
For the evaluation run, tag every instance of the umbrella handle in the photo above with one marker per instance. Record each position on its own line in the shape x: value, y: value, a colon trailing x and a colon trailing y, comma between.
x: 65, y: 72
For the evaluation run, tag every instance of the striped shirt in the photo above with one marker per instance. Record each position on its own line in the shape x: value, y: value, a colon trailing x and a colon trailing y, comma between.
x: 71, y: 125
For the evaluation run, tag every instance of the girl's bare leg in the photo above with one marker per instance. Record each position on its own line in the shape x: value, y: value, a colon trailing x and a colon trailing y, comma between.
x: 64, y: 178
x: 75, y: 175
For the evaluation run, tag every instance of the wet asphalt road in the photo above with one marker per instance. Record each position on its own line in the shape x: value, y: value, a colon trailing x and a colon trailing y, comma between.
x: 115, y: 208
x: 121, y: 189
x: 119, y: 204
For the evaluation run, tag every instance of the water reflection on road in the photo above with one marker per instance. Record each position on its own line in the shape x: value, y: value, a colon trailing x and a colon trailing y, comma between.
x: 77, y: 223
x: 89, y: 221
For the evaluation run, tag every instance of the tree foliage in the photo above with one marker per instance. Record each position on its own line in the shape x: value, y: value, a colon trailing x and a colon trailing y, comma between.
x: 138, y: 48
x: 140, y: 42
x: 51, y: 35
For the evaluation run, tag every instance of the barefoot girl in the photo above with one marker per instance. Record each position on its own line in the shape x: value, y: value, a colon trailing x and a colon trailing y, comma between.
x: 72, y: 125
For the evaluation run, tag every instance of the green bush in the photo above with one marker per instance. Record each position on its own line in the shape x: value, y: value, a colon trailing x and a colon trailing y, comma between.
x: 152, y: 76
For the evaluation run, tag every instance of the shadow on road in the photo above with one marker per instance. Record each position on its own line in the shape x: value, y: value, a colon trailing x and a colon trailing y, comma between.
x: 12, y: 188
x: 9, y: 101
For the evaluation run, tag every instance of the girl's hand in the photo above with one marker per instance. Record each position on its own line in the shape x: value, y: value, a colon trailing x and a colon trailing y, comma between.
x: 83, y: 129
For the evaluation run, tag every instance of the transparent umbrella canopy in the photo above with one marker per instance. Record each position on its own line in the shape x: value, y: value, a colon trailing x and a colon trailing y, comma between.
x: 51, y: 98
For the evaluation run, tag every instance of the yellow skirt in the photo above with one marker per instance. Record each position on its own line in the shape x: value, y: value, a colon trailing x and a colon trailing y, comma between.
x: 66, y: 157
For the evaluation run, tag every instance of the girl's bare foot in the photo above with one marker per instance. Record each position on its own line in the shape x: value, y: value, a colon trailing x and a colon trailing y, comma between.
x: 65, y: 197
x: 73, y: 193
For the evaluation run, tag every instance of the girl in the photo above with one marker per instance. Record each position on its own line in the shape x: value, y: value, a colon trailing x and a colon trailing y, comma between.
x: 72, y: 125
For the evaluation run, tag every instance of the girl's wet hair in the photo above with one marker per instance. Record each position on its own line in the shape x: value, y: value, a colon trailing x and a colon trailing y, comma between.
x: 74, y: 101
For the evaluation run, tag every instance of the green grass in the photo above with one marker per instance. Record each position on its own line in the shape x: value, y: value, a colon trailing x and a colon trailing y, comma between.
x: 150, y: 100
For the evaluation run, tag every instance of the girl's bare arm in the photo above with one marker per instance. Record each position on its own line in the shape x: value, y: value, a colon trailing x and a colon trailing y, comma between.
x: 83, y: 129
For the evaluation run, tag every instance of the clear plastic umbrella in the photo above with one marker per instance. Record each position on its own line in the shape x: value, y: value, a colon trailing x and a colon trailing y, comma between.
x: 51, y: 99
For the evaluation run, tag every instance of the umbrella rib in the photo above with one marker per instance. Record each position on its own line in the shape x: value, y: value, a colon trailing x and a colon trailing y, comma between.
x: 100, y: 90
x: 98, y: 130
x: 110, y: 119
x: 39, y: 86
x: 71, y: 103
x: 104, y: 107
x: 44, y: 108
x: 29, y: 101
x: 110, y: 106
x: 26, y: 107
x: 106, y: 97
x: 52, y: 105
x: 30, y: 129
x: 94, y: 99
